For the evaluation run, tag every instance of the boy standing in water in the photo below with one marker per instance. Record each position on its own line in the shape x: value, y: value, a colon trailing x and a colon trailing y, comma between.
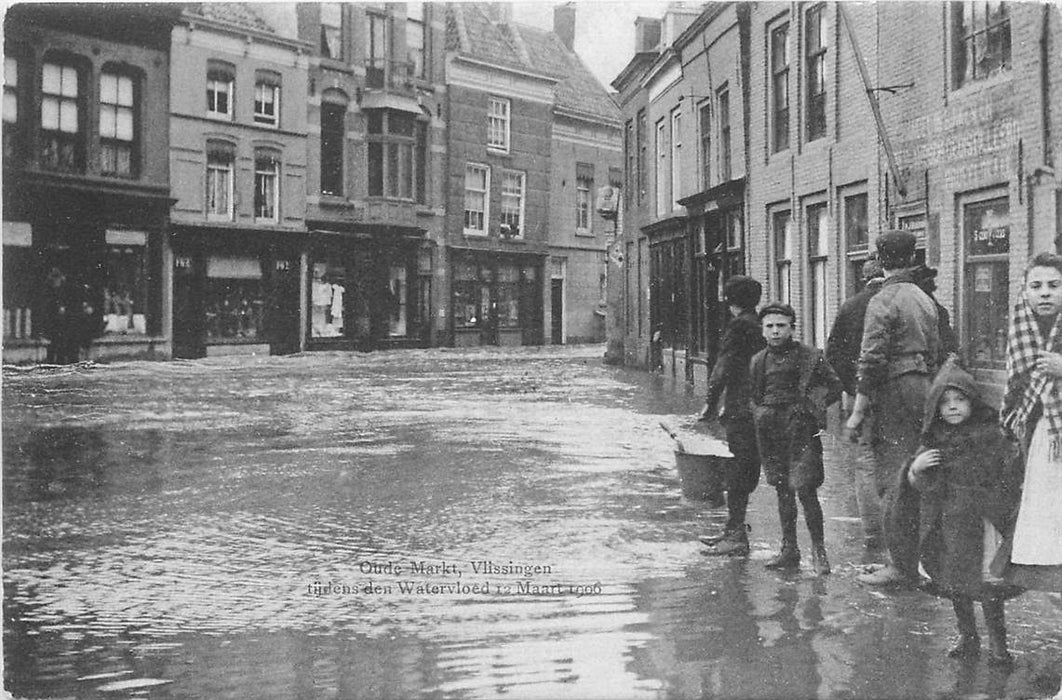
x: 791, y: 386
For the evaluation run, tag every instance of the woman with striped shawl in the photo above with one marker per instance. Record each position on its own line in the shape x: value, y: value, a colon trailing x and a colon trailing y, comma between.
x: 1032, y: 412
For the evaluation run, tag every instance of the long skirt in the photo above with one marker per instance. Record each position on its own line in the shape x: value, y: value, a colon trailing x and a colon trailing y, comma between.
x: 1036, y: 557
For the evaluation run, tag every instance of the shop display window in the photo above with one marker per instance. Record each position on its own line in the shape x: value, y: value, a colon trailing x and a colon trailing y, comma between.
x: 987, y: 231
x: 234, y: 299
x: 467, y: 312
x: 398, y: 300
x: 328, y: 297
x: 508, y: 296
x: 125, y: 290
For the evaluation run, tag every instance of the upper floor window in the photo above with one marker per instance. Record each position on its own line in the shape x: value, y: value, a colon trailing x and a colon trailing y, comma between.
x: 856, y: 236
x: 117, y: 125
x: 512, y: 204
x: 783, y: 234
x: 416, y: 20
x: 705, y: 116
x: 818, y: 247
x: 629, y: 151
x: 220, y: 80
x: 723, y: 101
x: 62, y: 136
x: 266, y: 186
x: 331, y: 30
x: 676, y: 154
x: 981, y: 32
x: 267, y: 98
x: 477, y: 186
x: 221, y: 157
x: 498, y: 124
x: 333, y: 138
x: 780, y: 87
x: 816, y: 42
x: 377, y: 50
x: 11, y: 105
x: 394, y: 160
x: 643, y: 146
x: 584, y: 187
x: 662, y: 197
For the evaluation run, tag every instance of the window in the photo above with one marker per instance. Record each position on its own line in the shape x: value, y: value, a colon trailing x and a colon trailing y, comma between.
x: 266, y: 186
x: 676, y: 156
x: 125, y: 292
x: 415, y: 23
x: 234, y: 300
x: 986, y: 231
x: 724, y: 133
x: 643, y: 145
x: 735, y: 244
x: 398, y: 301
x: 11, y: 106
x: 780, y: 87
x: 333, y: 138
x: 328, y: 300
x: 662, y: 197
x: 267, y: 98
x: 815, y: 44
x: 62, y: 143
x: 783, y: 234
x: 498, y: 124
x: 584, y: 187
x: 219, y: 181
x: 630, y: 154
x: 512, y: 204
x: 706, y: 145
x: 818, y: 247
x: 420, y: 184
x: 477, y: 184
x: 981, y: 32
x: 377, y: 52
x: 392, y: 140
x: 117, y: 127
x: 220, y: 79
x: 857, y: 238
x: 331, y: 30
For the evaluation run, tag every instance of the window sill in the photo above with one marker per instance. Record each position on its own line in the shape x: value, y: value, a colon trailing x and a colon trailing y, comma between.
x: 474, y: 234
x: 337, y: 64
x: 974, y: 87
x: 215, y: 116
x: 496, y: 151
x: 585, y: 233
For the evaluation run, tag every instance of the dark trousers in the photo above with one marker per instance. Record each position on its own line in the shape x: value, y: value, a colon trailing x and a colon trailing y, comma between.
x: 743, y: 473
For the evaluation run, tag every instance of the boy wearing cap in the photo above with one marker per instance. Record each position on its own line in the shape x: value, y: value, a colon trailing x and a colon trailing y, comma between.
x: 791, y: 386
x: 898, y: 358
x: 741, y: 340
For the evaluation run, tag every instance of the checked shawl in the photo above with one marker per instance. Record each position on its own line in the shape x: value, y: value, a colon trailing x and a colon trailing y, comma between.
x: 1027, y: 385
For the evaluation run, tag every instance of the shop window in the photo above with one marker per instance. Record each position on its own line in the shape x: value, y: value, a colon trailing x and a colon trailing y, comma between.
x: 266, y: 186
x: 857, y: 238
x: 498, y: 124
x: 706, y: 145
x: 234, y: 299
x: 512, y: 204
x: 62, y: 131
x: 416, y: 20
x: 328, y: 300
x: 471, y: 295
x: 780, y: 87
x: 333, y: 138
x: 398, y: 292
x: 12, y: 102
x: 816, y: 42
x: 508, y: 296
x: 21, y: 290
x: 393, y: 159
x: 783, y: 234
x: 117, y: 125
x: 221, y: 78
x: 981, y: 39
x: 986, y: 233
x: 221, y: 157
x: 723, y: 101
x: 267, y: 98
x: 584, y: 187
x: 331, y: 30
x: 125, y: 291
x: 817, y: 218
x: 477, y: 185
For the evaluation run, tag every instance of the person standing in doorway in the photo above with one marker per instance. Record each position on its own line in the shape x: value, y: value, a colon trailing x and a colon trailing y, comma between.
x: 61, y: 314
x: 730, y: 380
x: 897, y: 361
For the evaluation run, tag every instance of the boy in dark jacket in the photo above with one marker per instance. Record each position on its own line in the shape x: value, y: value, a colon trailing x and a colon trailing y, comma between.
x: 730, y: 380
x: 791, y: 387
x: 969, y: 477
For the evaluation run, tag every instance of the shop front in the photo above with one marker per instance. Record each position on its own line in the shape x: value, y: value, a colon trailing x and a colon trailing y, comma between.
x: 368, y: 292
x: 235, y: 293
x: 496, y: 298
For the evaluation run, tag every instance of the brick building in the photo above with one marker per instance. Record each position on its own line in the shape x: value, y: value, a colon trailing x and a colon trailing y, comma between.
x: 86, y: 180
x: 238, y: 167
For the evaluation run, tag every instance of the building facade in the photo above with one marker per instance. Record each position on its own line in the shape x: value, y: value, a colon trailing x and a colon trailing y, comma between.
x: 86, y: 179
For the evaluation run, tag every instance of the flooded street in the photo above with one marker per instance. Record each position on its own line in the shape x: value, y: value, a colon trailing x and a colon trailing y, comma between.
x: 440, y: 523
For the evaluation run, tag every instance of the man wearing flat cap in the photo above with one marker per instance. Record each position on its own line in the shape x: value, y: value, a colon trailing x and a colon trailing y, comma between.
x: 897, y: 360
x: 730, y: 380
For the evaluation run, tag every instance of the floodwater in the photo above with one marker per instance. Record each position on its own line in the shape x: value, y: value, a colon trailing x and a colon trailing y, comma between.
x: 437, y: 523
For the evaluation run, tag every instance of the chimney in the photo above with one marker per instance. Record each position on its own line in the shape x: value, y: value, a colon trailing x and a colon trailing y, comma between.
x: 646, y: 34
x: 564, y: 23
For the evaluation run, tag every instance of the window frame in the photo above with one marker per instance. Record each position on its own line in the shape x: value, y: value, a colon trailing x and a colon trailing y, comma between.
x: 997, y: 262
x: 497, y: 122
x: 378, y: 42
x: 584, y: 199
x: 506, y: 213
x: 784, y: 247
x: 663, y: 196
x: 75, y: 140
x: 333, y: 184
x: 676, y: 156
x: 642, y: 134
x: 726, y: 164
x: 213, y: 164
x: 269, y: 80
x: 704, y: 120
x: 484, y: 213
x: 220, y: 73
x: 779, y: 76
x: 394, y: 149
x: 133, y: 142
x: 818, y: 241
x: 13, y: 96
x: 962, y: 62
x: 857, y: 250
x: 422, y: 23
x: 815, y: 100
x: 330, y: 31
x: 260, y: 156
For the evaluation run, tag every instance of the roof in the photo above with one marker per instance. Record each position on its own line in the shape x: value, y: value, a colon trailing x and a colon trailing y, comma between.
x: 470, y: 32
x: 237, y: 14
